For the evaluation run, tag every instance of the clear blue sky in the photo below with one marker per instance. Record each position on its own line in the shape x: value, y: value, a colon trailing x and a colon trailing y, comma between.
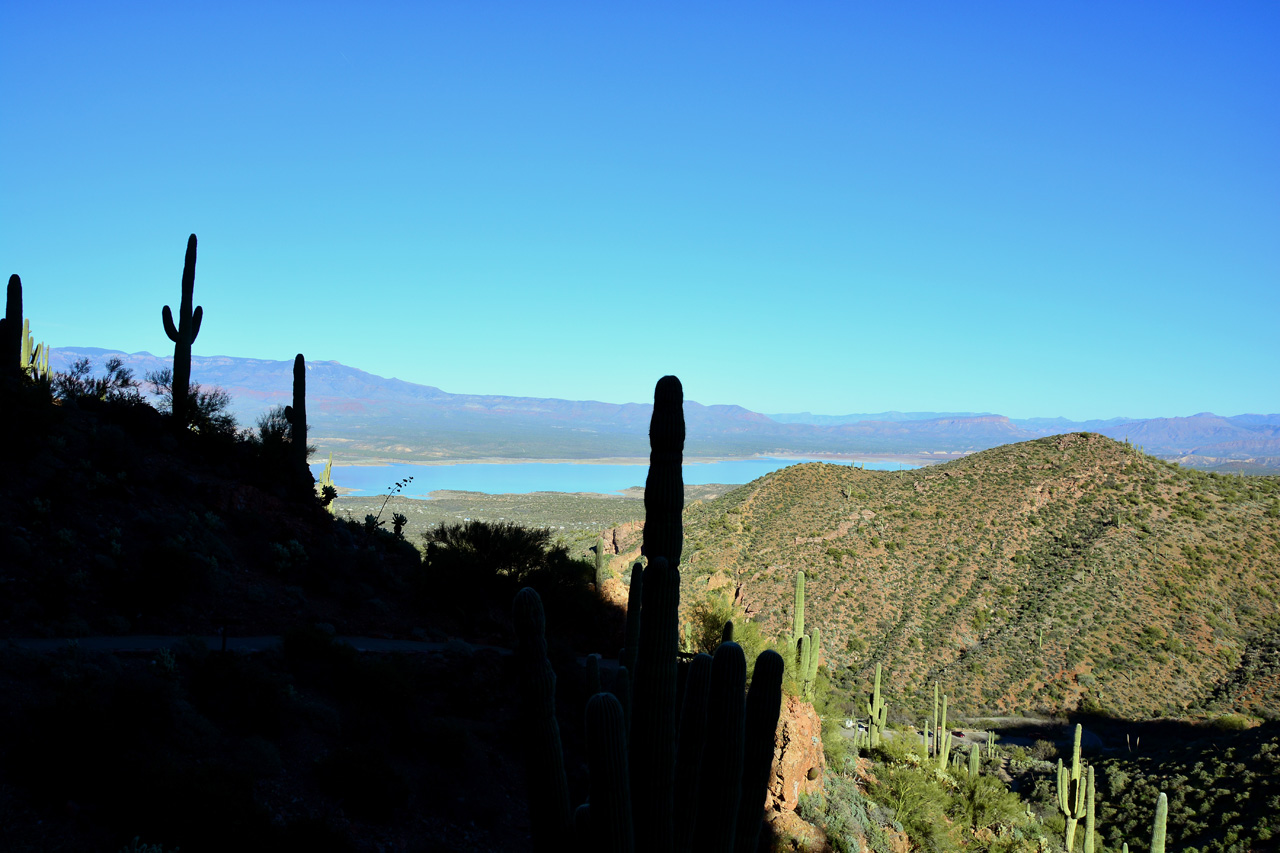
x: 1026, y: 208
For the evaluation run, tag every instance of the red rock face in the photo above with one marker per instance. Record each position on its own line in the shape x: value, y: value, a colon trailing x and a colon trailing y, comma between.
x: 797, y: 750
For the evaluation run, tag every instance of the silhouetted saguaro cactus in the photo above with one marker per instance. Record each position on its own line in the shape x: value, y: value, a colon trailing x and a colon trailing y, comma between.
x: 609, y: 826
x: 764, y: 705
x: 549, y: 814
x: 183, y: 336
x: 693, y: 727
x: 664, y: 487
x: 653, y: 698
x: 635, y: 591
x: 11, y: 330
x: 296, y: 414
x: 653, y: 704
x: 720, y: 776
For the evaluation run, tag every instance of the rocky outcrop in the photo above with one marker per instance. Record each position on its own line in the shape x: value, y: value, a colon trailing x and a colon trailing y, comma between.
x: 623, y: 538
x: 798, y: 761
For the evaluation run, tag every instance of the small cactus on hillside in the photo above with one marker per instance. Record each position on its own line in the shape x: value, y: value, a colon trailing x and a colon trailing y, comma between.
x: 183, y: 336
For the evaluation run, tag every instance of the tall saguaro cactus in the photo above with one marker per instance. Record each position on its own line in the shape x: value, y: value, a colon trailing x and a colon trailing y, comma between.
x: 296, y: 414
x: 808, y: 647
x: 664, y: 486
x: 721, y: 754
x: 1071, y: 791
x: 11, y: 337
x: 183, y: 336
x: 548, y: 785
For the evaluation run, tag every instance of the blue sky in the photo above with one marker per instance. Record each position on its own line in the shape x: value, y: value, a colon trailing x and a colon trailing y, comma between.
x: 1026, y: 208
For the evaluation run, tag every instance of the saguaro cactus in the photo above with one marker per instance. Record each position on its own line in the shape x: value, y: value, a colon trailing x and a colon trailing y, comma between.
x: 1090, y: 816
x: 601, y: 563
x: 11, y: 330
x: 548, y: 785
x: 296, y: 414
x: 664, y: 486
x: 877, y: 712
x: 797, y: 619
x: 807, y: 646
x: 723, y: 742
x: 1071, y: 793
x: 944, y: 737
x: 1158, y: 827
x: 183, y: 336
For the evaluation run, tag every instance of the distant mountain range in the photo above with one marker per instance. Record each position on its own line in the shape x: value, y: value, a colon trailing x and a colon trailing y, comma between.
x: 358, y: 414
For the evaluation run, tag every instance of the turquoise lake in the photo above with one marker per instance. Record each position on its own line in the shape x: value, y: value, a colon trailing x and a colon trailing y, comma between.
x: 525, y: 477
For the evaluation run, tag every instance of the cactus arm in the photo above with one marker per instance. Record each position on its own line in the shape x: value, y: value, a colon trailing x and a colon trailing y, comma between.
x: 167, y: 316
x: 196, y: 317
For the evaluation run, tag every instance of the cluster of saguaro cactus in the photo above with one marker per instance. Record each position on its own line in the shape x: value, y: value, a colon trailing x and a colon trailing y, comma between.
x: 1072, y: 794
x: 33, y: 360
x: 659, y: 781
x: 877, y: 712
x: 808, y: 646
x: 183, y: 336
x: 296, y: 414
x: 22, y: 355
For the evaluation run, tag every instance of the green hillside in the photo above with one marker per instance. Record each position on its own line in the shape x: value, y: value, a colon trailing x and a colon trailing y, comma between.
x: 1070, y: 572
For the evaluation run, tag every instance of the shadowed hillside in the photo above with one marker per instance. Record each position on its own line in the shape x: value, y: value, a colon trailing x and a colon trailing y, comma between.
x: 1070, y: 572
